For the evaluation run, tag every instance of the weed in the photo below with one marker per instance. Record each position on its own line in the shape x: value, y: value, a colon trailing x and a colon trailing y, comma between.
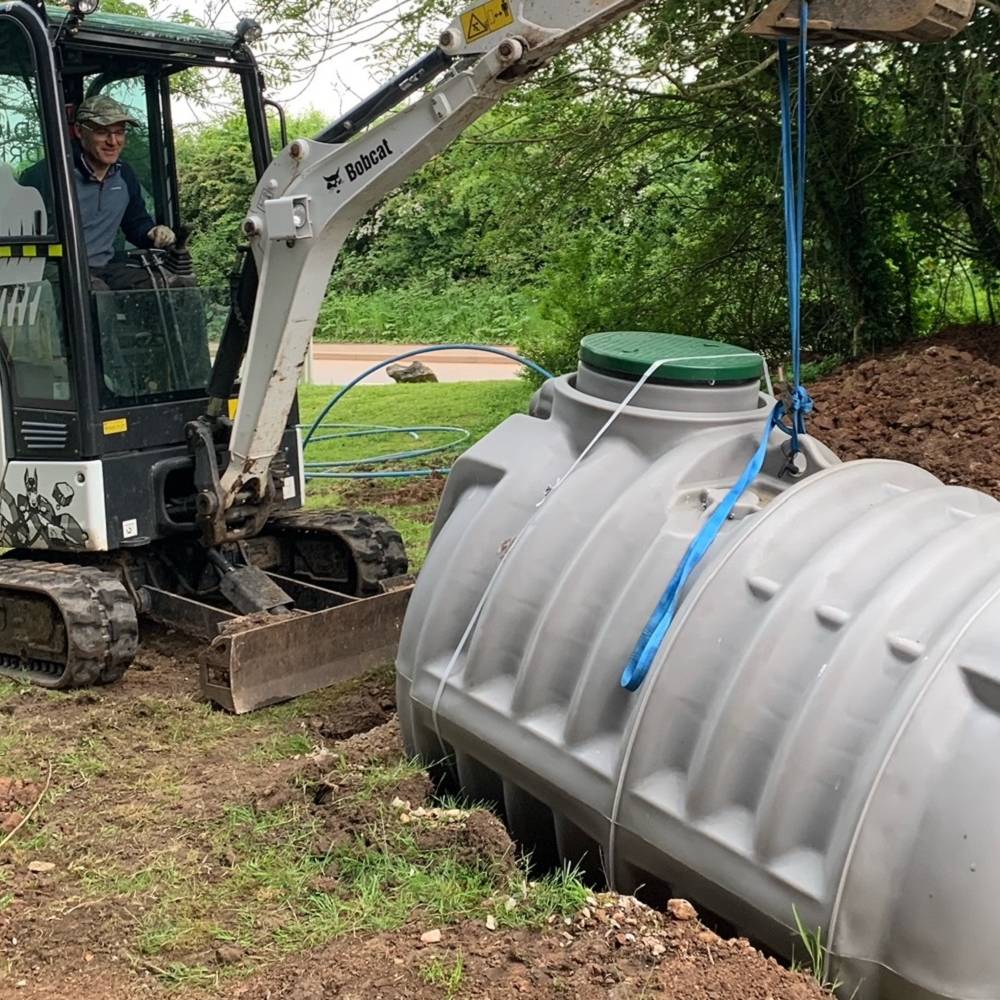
x: 5, y: 900
x: 281, y: 746
x: 448, y: 975
x: 181, y: 976
x: 10, y: 689
x: 817, y: 962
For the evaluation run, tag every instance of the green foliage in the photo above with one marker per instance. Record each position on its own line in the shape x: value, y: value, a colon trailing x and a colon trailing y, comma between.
x: 636, y: 183
x: 447, y: 975
x: 431, y: 311
x: 217, y: 180
x: 124, y: 7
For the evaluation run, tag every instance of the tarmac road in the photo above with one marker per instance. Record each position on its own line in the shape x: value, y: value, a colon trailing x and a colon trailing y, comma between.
x: 337, y: 364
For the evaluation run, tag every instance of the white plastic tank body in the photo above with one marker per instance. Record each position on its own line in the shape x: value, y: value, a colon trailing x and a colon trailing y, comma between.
x: 818, y: 735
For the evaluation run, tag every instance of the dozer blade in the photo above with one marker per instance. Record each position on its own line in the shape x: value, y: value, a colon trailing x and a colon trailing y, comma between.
x: 254, y: 664
x: 842, y: 21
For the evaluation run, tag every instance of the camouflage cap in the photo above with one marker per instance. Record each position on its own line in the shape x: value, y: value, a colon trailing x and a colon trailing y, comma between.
x: 103, y: 110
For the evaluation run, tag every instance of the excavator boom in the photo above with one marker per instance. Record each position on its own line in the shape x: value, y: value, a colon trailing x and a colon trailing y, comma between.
x: 862, y: 20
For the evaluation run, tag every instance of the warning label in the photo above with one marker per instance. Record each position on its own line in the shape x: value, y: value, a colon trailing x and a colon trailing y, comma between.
x: 486, y: 18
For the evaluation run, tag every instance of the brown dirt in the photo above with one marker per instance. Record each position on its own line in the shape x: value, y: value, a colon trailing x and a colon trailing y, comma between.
x: 16, y: 799
x: 935, y: 404
x: 393, y: 493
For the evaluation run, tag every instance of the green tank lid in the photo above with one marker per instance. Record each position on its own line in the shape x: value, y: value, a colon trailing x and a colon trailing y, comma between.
x: 690, y: 359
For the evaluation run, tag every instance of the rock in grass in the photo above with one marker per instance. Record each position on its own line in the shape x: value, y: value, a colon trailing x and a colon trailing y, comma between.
x: 431, y: 937
x: 415, y: 371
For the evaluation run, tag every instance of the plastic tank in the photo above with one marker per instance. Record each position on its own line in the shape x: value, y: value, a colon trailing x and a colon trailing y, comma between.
x: 820, y: 732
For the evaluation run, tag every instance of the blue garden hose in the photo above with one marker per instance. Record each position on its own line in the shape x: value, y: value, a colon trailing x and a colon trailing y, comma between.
x: 323, y: 469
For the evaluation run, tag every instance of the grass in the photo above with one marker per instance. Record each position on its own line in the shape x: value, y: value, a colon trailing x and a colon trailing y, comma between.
x: 475, y: 406
x: 447, y: 975
x: 182, y: 881
x: 817, y: 963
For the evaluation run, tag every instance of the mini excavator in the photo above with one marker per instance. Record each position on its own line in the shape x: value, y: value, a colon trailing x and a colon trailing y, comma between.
x: 143, y: 472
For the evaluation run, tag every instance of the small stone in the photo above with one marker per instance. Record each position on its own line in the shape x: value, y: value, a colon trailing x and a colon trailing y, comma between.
x: 404, y: 817
x: 657, y: 949
x: 431, y: 937
x: 397, y: 803
x: 511, y: 904
x: 491, y: 922
x: 228, y: 953
x: 585, y: 913
x: 681, y: 909
x: 40, y: 867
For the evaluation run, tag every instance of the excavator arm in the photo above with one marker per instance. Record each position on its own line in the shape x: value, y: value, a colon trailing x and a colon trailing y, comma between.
x: 315, y: 191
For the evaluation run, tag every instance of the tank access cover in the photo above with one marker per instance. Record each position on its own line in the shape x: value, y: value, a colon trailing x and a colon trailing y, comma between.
x: 692, y: 359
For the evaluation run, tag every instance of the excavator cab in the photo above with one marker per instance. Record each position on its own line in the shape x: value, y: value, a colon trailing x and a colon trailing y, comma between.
x: 99, y: 371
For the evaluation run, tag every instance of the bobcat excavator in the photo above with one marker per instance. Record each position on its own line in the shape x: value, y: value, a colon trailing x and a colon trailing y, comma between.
x: 140, y: 476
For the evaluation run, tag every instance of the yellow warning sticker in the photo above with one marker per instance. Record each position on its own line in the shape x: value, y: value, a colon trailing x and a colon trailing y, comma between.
x: 233, y: 404
x: 486, y: 18
x: 119, y: 426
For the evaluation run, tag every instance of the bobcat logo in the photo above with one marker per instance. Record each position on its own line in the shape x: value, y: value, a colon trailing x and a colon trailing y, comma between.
x: 334, y: 181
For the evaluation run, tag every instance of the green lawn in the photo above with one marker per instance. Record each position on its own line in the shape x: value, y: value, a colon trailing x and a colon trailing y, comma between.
x: 409, y: 504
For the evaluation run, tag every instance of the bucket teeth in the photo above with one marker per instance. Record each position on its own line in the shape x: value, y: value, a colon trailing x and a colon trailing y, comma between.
x: 845, y: 21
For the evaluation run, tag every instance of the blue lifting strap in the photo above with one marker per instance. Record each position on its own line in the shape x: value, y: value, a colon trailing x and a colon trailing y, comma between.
x: 793, y: 163
x: 663, y: 615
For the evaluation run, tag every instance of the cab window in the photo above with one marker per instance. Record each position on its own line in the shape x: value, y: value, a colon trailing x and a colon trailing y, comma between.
x: 31, y: 268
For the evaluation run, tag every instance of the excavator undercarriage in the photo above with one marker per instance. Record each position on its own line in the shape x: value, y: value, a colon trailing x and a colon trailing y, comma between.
x: 340, y: 586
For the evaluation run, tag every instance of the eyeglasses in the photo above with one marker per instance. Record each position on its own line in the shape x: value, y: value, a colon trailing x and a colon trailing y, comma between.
x: 104, y: 132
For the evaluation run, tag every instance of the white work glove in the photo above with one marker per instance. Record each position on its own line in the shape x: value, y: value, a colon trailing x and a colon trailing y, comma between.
x: 162, y: 237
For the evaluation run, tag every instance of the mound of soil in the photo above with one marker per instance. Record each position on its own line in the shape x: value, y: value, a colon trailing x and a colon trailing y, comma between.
x: 935, y: 404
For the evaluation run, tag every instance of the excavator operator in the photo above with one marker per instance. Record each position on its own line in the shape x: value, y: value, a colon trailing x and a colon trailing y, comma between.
x: 108, y: 192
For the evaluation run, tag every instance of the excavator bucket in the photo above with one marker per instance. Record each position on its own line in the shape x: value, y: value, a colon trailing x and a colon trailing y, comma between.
x: 845, y: 21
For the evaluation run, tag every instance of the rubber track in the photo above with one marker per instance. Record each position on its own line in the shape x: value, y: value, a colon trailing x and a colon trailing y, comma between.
x: 101, y: 625
x: 375, y: 545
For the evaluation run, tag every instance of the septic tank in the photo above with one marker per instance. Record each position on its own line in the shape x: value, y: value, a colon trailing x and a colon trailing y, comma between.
x: 818, y: 737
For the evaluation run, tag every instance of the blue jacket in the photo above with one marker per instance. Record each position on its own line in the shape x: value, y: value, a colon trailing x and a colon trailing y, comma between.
x: 105, y: 206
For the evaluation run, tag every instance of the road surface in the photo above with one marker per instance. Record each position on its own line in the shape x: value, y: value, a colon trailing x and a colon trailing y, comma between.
x: 337, y: 364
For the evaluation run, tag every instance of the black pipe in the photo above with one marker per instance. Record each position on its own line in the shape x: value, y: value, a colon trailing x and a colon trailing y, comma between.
x: 387, y: 96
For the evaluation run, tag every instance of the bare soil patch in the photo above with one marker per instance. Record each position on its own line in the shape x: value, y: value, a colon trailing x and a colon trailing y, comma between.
x: 393, y: 492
